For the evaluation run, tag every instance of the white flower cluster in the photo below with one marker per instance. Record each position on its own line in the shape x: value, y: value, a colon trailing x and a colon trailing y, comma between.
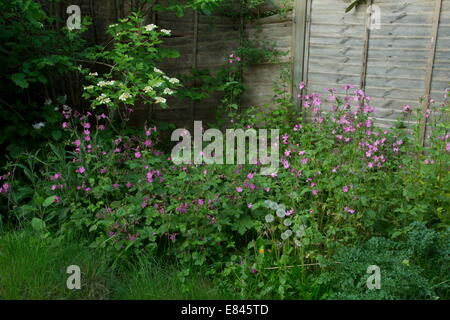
x: 150, y: 27
x: 166, y: 32
x: 105, y: 83
x: 168, y: 91
x: 103, y: 98
x: 125, y: 96
x: 174, y: 81
x: 160, y: 100
x: 39, y: 125
x: 148, y: 89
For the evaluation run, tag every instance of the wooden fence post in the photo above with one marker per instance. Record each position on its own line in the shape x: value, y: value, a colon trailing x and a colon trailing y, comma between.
x: 430, y: 65
x: 363, y: 74
x: 195, y: 60
x: 299, y: 18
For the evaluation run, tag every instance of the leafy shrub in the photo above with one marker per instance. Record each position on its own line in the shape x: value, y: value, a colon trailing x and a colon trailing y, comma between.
x: 415, y: 268
x: 37, y: 57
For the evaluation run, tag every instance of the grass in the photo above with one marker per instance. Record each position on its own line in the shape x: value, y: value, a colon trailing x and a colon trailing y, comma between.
x: 33, y: 267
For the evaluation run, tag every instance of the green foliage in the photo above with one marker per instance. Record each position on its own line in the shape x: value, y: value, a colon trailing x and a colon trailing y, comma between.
x: 33, y: 267
x: 35, y: 55
x: 417, y: 267
x: 132, y: 75
x: 342, y: 181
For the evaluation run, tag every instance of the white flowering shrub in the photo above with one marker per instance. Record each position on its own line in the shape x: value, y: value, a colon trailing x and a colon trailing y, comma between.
x: 132, y: 75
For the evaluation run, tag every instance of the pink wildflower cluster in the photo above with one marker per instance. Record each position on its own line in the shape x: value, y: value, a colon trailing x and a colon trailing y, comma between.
x: 234, y: 59
x: 4, y: 188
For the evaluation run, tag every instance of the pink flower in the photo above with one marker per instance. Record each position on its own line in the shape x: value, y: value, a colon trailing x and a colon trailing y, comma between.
x: 129, y: 185
x: 4, y: 188
x: 290, y: 212
x: 57, y: 199
x: 315, y: 192
x: 81, y: 170
x: 101, y: 127
x: 406, y: 108
x: 65, y: 125
x: 250, y: 205
x: 239, y: 189
x: 345, y: 189
x: 77, y: 143
x: 347, y: 209
x: 200, y: 202
x: 370, y: 165
x: 87, y: 125
x: 56, y: 176
x: 148, y: 143
x: 250, y: 175
x: 87, y: 189
x: 137, y: 155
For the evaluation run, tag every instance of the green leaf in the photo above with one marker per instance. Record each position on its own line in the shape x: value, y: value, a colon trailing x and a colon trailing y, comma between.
x: 48, y: 201
x: 38, y: 224
x: 19, y: 79
x: 56, y: 134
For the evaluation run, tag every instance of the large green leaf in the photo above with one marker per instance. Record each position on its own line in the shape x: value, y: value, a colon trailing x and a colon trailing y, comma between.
x: 20, y: 80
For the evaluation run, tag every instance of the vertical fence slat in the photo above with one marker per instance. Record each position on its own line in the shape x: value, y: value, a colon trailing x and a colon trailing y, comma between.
x: 364, y: 58
x: 298, y: 46
x: 306, y: 44
x: 430, y: 65
x: 195, y: 59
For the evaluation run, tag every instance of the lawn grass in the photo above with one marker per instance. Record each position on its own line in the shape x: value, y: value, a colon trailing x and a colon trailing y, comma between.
x: 32, y: 267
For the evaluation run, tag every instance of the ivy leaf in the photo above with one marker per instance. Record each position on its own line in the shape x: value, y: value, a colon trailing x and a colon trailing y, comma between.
x: 56, y: 134
x: 19, y: 79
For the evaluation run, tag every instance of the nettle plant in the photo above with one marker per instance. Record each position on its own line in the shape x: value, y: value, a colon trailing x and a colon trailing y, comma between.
x: 132, y: 75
